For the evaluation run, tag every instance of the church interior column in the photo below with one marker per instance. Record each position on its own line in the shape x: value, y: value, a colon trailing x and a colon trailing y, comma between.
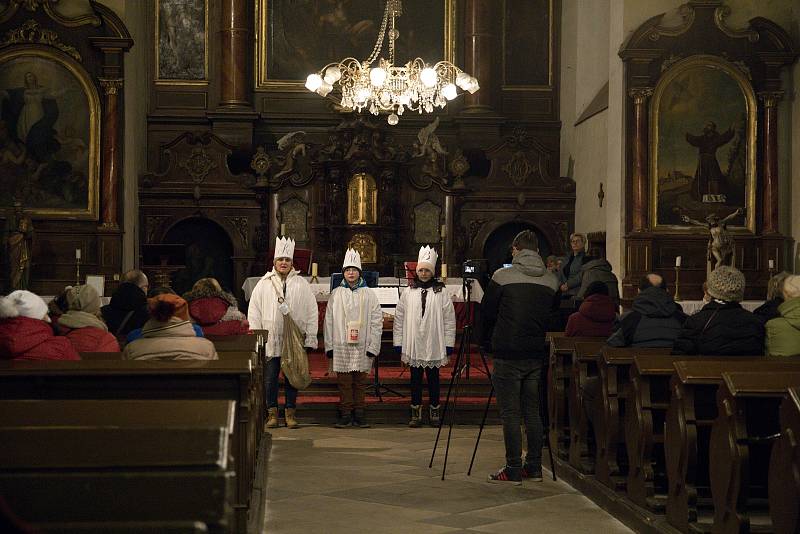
x: 770, y: 207
x: 640, y: 96
x: 111, y: 154
x: 481, y: 20
x: 235, y: 34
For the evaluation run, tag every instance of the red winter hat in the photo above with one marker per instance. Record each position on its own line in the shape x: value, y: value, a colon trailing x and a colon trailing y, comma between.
x: 163, y: 307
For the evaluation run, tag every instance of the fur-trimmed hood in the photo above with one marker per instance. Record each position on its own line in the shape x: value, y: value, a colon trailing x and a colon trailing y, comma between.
x: 206, y: 292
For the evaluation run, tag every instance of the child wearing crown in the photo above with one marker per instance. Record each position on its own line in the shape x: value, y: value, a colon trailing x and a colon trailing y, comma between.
x: 353, y: 326
x: 424, y: 333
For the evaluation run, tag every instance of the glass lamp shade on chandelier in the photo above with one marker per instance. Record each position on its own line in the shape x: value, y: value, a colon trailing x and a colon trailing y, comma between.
x: 415, y: 86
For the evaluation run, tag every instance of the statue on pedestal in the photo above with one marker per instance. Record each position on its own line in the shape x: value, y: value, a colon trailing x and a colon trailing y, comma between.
x: 720, y: 244
x: 19, y: 248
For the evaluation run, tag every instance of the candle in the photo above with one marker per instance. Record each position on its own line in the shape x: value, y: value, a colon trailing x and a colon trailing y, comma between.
x: 283, y: 229
x: 314, y: 268
x: 444, y: 269
x: 771, y: 264
x: 677, y: 261
x: 444, y: 231
x: 77, y: 253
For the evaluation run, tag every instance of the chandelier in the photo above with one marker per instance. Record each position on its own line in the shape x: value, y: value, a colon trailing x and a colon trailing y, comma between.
x: 415, y: 86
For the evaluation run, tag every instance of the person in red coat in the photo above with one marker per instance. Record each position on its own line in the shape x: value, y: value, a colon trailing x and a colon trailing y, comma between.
x: 215, y: 310
x: 595, y: 317
x: 82, y: 324
x: 25, y: 331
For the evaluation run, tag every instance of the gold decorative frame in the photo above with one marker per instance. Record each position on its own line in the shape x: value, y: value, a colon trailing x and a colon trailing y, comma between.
x: 262, y: 80
x: 709, y: 62
x: 93, y: 101
x: 550, y: 54
x: 157, y: 37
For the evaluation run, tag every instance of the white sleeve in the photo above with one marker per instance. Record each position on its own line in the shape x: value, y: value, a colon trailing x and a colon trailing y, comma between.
x: 449, y: 315
x: 375, y: 324
x: 310, y: 314
x: 328, y: 330
x: 254, y: 309
x: 399, y: 318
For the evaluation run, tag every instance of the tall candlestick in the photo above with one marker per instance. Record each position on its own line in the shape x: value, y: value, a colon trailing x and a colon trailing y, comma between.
x: 314, y: 268
x: 677, y: 296
x: 444, y: 231
x: 78, y: 254
x: 678, y: 261
x: 444, y: 271
x: 771, y: 264
x: 283, y: 229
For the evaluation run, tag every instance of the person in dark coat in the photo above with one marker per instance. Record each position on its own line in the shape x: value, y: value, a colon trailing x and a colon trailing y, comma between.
x: 722, y: 327
x: 128, y: 308
x: 598, y: 270
x: 769, y: 310
x: 595, y: 317
x: 655, y: 319
x: 571, y: 270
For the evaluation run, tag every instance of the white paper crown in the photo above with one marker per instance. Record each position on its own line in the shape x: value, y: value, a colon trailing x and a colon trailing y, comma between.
x: 427, y: 258
x: 351, y: 259
x: 284, y: 247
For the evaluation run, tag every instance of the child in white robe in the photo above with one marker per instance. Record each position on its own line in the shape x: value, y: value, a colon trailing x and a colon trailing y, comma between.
x: 424, y: 333
x: 353, y: 326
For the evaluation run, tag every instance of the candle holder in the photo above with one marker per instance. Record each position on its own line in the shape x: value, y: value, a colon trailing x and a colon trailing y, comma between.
x: 771, y: 272
x: 77, y: 271
x: 677, y: 296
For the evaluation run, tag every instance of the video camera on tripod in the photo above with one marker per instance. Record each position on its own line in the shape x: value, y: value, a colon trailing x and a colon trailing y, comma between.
x: 474, y: 269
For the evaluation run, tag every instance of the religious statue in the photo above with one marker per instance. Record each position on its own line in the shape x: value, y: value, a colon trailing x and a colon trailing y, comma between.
x: 19, y: 247
x: 294, y: 146
x: 429, y: 147
x: 708, y: 177
x: 720, y: 244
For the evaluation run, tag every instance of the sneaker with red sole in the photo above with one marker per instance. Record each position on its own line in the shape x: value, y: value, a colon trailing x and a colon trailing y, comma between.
x: 532, y: 474
x: 506, y: 475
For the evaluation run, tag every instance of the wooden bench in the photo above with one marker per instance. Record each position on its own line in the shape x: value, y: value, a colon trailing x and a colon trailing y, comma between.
x: 692, y: 411
x: 68, y: 462
x: 238, y: 343
x: 611, y: 464
x: 784, y: 468
x: 558, y: 379
x: 584, y: 365
x: 741, y: 441
x: 119, y: 379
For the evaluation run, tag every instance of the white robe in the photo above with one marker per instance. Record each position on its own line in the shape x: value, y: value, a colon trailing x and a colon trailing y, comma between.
x: 424, y: 338
x: 343, y: 306
x: 263, y: 312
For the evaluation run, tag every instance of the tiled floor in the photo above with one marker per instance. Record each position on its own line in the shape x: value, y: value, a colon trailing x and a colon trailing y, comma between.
x: 327, y: 480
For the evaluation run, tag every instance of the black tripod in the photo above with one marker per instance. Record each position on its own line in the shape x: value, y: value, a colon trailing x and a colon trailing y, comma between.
x: 466, y: 291
x: 377, y: 386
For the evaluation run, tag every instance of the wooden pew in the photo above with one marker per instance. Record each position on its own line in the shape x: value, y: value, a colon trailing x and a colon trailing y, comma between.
x: 120, y: 379
x: 741, y: 439
x: 692, y: 411
x: 558, y: 379
x: 584, y: 365
x: 611, y: 463
x: 784, y: 468
x: 67, y: 462
x: 239, y: 343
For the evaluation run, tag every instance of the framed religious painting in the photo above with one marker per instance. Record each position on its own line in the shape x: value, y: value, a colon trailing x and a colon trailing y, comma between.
x: 181, y: 42
x: 297, y: 37
x: 703, y: 146
x: 49, y: 134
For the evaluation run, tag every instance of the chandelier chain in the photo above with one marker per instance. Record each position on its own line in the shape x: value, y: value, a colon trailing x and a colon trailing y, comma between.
x: 376, y: 50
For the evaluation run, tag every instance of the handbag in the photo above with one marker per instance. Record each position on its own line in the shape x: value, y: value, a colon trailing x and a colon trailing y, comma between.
x: 294, y: 359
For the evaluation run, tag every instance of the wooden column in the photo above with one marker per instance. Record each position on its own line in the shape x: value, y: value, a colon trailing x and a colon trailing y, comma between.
x: 111, y: 154
x: 237, y: 16
x: 769, y: 206
x: 639, y: 208
x: 481, y: 20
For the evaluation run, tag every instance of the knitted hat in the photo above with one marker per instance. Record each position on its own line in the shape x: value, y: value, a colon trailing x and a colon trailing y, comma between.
x: 596, y: 288
x: 726, y: 283
x: 162, y: 307
x: 22, y: 303
x: 83, y: 298
x: 791, y: 287
x: 351, y: 259
x: 427, y: 259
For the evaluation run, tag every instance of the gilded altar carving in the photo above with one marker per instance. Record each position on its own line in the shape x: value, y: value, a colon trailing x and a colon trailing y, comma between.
x: 362, y: 199
x: 366, y: 247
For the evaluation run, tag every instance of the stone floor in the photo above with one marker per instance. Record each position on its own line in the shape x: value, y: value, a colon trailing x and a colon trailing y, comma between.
x: 327, y: 480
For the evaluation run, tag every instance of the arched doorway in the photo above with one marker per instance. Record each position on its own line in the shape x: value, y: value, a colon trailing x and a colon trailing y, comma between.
x: 497, y: 249
x: 209, y: 253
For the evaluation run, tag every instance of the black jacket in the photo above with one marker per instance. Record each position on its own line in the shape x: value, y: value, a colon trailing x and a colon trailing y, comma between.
x: 655, y: 320
x: 518, y: 308
x: 721, y: 328
x: 768, y: 310
x: 126, y: 299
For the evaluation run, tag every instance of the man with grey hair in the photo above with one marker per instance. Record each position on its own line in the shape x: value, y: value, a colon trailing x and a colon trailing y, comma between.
x: 128, y: 307
x: 135, y: 276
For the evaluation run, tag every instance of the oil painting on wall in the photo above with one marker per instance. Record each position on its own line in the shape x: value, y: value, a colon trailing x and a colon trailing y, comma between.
x: 181, y: 40
x: 703, y: 143
x: 298, y: 37
x: 49, y: 118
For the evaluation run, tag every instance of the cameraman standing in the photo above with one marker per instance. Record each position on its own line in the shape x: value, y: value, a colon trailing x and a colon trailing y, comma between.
x: 517, y: 310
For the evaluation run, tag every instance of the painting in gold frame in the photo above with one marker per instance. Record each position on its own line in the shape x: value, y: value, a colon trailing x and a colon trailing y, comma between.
x: 528, y: 25
x: 181, y: 42
x: 702, y: 145
x: 297, y: 37
x: 49, y: 134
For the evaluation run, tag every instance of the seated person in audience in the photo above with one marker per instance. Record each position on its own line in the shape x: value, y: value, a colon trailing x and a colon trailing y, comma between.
x: 706, y: 297
x: 554, y: 266
x: 58, y: 307
x: 599, y: 270
x: 136, y: 333
x: 168, y: 334
x: 769, y: 310
x: 215, y: 310
x: 128, y: 307
x: 783, y: 332
x: 655, y: 319
x: 722, y: 327
x: 25, y: 331
x: 595, y: 317
x: 82, y: 324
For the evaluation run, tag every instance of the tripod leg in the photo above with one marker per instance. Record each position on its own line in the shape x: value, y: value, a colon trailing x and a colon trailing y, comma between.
x: 456, y: 372
x: 377, y: 382
x: 452, y: 421
x: 480, y: 430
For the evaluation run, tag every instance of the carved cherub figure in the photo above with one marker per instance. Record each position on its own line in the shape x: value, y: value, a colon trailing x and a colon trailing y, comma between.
x: 293, y: 146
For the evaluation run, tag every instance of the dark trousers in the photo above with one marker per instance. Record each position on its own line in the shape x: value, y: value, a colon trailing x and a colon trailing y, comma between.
x: 433, y: 385
x: 271, y: 371
x: 516, y: 383
x: 352, y: 390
